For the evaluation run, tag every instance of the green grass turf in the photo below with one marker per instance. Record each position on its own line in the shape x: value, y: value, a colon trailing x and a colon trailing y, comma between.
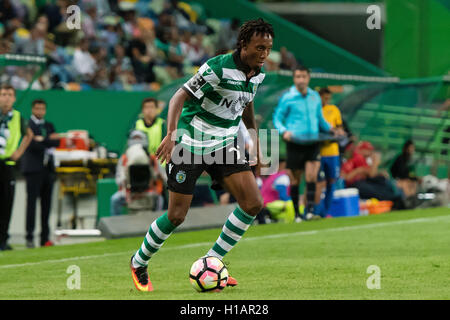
x: 325, y: 259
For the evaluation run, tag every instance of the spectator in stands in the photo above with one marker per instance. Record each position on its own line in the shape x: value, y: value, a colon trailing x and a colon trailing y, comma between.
x: 34, y: 44
x: 169, y: 48
x: 152, y: 31
x: 361, y: 172
x: 110, y: 35
x: 61, y: 73
x: 227, y: 36
x: 89, y: 21
x: 39, y: 171
x: 7, y: 11
x: 120, y: 60
x: 54, y: 11
x: 288, y: 61
x: 142, y: 60
x: 181, y: 18
x: 83, y: 61
x: 101, y: 76
x: 193, y: 50
x: 102, y: 6
x: 128, y: 13
x: 5, y: 46
x: 402, y: 170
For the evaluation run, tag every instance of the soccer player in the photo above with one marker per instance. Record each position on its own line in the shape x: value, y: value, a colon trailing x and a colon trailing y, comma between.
x: 202, y: 124
x: 299, y: 114
x: 329, y: 154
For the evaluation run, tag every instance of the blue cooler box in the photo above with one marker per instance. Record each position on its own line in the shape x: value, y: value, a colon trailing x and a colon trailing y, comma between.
x: 345, y: 203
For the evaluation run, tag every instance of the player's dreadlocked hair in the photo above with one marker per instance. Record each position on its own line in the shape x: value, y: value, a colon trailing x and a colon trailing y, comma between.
x: 249, y: 28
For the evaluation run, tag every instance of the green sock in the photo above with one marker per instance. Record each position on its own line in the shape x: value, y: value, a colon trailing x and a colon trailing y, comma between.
x: 158, y: 232
x: 233, y: 230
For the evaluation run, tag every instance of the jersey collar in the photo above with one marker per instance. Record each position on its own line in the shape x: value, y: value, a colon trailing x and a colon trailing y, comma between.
x: 36, y: 120
x: 242, y: 66
x: 296, y: 92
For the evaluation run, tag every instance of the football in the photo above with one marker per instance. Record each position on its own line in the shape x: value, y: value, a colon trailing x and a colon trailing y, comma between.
x: 208, y: 274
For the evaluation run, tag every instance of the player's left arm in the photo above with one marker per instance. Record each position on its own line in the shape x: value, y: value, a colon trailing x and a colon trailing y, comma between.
x: 248, y: 117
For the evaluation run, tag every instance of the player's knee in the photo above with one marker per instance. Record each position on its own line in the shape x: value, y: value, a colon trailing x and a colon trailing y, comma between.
x: 311, y: 177
x: 253, y: 207
x: 176, y: 221
x: 177, y: 218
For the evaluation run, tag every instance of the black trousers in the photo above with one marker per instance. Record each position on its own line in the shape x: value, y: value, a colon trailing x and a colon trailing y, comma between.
x: 7, y: 187
x: 39, y: 185
x: 377, y: 187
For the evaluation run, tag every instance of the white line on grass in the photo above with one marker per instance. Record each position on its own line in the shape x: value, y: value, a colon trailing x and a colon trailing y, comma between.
x: 273, y: 236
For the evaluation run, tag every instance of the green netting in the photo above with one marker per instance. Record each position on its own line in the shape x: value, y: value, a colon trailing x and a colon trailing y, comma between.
x: 21, y: 60
x: 384, y: 111
x: 388, y: 115
x: 313, y: 51
x: 28, y: 67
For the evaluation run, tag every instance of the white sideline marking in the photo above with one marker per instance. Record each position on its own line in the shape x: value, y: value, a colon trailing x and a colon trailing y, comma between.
x: 273, y: 236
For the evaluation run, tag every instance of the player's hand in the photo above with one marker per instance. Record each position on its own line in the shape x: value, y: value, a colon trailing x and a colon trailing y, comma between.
x: 15, y: 156
x: 341, y: 132
x: 287, y: 135
x: 55, y: 136
x: 255, y: 158
x: 38, y: 138
x: 164, y: 151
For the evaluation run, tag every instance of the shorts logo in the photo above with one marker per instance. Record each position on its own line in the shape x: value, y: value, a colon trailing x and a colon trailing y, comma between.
x: 322, y: 175
x: 180, y: 176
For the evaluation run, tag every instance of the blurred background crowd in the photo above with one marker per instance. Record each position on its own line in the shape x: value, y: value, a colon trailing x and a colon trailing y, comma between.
x: 133, y: 45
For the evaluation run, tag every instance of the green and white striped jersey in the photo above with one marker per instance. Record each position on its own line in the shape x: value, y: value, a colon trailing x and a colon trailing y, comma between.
x: 220, y: 91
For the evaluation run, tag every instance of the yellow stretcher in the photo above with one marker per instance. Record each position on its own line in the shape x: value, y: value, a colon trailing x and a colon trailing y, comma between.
x: 77, y: 177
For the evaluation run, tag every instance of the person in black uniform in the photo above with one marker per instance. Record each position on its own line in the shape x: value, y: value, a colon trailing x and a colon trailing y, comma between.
x: 38, y: 169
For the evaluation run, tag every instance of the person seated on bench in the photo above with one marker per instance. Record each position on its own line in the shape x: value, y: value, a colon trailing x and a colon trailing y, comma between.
x: 361, y: 172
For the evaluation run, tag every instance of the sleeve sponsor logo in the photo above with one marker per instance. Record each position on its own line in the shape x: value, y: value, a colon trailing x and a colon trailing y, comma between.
x: 196, y: 82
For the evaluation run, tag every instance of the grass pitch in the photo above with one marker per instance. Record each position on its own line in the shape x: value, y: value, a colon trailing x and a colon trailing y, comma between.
x: 326, y: 259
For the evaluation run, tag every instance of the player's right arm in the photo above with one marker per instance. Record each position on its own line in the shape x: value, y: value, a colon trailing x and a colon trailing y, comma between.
x: 173, y: 115
x: 204, y: 81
